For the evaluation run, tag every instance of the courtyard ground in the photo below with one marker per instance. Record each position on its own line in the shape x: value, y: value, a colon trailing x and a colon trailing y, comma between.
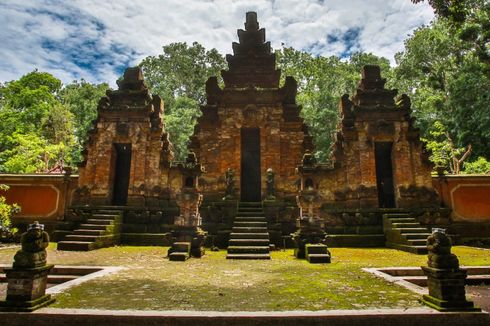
x: 213, y: 283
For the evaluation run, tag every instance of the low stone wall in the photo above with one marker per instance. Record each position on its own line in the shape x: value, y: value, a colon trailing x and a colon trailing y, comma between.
x: 466, y: 195
x: 45, y: 197
x: 42, y: 197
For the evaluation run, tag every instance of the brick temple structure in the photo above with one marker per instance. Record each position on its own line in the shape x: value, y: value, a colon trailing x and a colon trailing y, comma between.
x: 378, y: 166
x: 258, y: 123
x: 128, y: 154
x: 259, y: 181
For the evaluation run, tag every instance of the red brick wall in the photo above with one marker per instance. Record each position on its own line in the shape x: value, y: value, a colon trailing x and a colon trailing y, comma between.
x: 467, y: 195
x: 42, y: 197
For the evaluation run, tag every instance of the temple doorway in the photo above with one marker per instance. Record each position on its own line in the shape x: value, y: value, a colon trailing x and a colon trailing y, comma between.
x: 250, y: 165
x: 384, y: 174
x: 121, y: 175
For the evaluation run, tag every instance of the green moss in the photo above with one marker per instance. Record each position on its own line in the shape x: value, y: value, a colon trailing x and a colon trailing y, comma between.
x: 151, y: 282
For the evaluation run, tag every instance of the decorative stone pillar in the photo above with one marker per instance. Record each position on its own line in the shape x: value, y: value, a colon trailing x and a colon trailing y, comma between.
x: 445, y: 280
x: 27, y: 279
x: 310, y: 225
x: 189, y: 221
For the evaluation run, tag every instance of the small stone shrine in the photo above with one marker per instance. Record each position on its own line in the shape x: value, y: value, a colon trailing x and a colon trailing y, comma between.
x: 28, y: 277
x: 445, y: 280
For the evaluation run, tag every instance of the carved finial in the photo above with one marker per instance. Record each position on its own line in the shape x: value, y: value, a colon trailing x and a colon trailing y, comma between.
x: 251, y: 23
x: 371, y: 78
x: 132, y: 79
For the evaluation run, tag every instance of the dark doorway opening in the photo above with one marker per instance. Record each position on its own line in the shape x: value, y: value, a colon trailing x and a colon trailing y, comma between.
x: 250, y: 165
x: 384, y: 174
x: 121, y: 175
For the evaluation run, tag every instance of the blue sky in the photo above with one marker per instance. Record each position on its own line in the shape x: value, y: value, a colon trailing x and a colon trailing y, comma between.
x: 96, y: 40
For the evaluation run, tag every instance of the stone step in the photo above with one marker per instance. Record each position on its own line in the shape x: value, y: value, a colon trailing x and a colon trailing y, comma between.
x: 103, y: 216
x: 178, y: 256
x: 92, y: 227
x: 249, y: 224
x: 84, y: 238
x: 249, y: 256
x: 107, y: 212
x: 249, y: 204
x: 99, y: 221
x: 250, y: 219
x: 417, y: 242
x: 402, y: 220
x: 248, y: 249
x: 318, y: 258
x: 249, y: 242
x: 247, y: 235
x: 250, y: 209
x: 416, y: 236
x: 403, y: 225
x: 316, y: 249
x: 239, y: 229
x: 396, y: 215
x: 75, y: 245
x: 88, y: 232
x: 411, y: 230
x: 181, y: 247
x: 250, y: 214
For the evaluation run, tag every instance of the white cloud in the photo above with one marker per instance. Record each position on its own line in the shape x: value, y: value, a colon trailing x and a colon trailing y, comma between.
x: 94, y: 39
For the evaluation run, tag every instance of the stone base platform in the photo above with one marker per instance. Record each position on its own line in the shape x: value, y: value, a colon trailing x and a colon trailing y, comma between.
x: 379, y: 317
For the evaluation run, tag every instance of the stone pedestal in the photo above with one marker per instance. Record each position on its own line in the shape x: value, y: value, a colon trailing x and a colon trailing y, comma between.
x: 193, y: 235
x: 309, y: 232
x: 26, y: 290
x: 446, y: 290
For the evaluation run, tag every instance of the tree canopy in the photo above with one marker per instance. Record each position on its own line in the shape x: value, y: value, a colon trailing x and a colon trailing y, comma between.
x: 444, y: 68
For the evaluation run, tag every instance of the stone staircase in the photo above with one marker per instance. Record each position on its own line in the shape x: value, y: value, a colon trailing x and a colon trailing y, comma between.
x: 249, y: 238
x: 101, y: 229
x: 404, y: 232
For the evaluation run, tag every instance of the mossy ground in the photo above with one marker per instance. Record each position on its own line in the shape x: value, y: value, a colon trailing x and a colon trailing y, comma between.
x: 152, y: 282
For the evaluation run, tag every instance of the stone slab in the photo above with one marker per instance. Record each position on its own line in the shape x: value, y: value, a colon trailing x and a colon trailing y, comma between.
x: 378, y: 317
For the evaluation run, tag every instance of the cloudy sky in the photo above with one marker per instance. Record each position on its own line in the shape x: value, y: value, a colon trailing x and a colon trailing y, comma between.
x: 96, y: 40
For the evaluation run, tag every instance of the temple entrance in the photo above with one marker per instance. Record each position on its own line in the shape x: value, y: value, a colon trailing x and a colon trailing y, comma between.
x: 121, y: 176
x: 384, y: 174
x: 250, y: 165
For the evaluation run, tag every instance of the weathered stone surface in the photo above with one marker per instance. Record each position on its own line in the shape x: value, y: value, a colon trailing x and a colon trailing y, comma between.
x: 445, y: 280
x: 371, y: 117
x: 33, y: 251
x: 129, y: 116
x: 251, y: 98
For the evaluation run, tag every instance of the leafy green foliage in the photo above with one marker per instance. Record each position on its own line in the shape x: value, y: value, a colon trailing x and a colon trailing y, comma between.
x: 479, y: 166
x: 36, y: 131
x: 178, y: 76
x: 321, y: 83
x: 448, y: 82
x: 81, y: 98
x: 444, y: 152
x: 6, y: 211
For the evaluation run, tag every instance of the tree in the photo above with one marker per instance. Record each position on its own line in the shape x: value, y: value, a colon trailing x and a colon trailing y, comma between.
x: 479, y: 166
x: 444, y: 152
x: 36, y: 131
x: 6, y: 211
x: 321, y: 83
x: 447, y: 83
x: 81, y: 99
x: 178, y: 76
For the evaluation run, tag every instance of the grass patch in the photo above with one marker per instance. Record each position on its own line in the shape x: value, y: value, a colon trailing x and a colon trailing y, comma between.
x: 213, y: 283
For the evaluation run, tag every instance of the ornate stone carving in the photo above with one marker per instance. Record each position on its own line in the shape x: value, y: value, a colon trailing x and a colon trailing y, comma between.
x: 270, y: 185
x: 33, y: 247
